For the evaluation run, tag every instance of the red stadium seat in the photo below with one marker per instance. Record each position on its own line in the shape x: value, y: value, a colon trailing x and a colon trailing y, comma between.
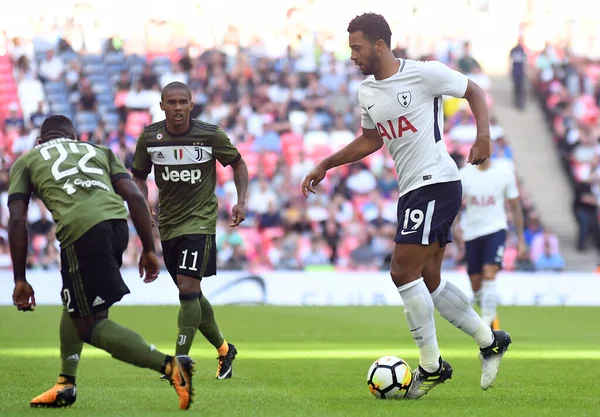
x: 6, y: 69
x: 120, y: 98
x: 136, y: 121
x: 269, y: 162
x: 224, y: 174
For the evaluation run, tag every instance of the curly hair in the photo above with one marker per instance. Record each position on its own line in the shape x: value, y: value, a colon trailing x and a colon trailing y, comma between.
x: 373, y: 26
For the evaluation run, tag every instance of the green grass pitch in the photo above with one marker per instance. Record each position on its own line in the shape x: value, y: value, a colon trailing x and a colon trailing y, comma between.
x: 312, y: 361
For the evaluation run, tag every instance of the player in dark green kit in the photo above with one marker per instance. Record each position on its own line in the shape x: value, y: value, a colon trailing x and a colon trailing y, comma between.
x: 84, y: 186
x: 183, y: 153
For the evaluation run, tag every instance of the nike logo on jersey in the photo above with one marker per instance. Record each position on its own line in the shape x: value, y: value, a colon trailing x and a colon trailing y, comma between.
x: 407, y: 232
x: 369, y: 107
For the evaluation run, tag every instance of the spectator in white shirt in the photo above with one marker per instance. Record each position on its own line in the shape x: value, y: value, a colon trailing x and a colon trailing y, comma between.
x: 51, y: 68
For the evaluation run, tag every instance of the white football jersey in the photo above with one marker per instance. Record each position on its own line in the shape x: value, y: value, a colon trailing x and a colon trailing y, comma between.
x: 406, y: 109
x: 484, y: 195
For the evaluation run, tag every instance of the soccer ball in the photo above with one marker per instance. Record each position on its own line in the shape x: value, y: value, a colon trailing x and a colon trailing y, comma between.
x: 389, y: 378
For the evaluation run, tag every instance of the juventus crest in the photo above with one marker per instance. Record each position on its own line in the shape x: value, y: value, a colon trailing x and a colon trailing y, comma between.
x: 404, y: 98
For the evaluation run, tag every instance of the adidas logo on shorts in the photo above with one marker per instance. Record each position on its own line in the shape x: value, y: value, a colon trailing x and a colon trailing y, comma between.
x: 97, y: 301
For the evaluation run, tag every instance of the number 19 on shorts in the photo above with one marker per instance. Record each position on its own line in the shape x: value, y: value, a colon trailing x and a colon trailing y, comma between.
x: 416, y: 220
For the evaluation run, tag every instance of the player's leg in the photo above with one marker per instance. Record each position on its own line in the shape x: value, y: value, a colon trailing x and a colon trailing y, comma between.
x: 407, y: 262
x: 454, y: 306
x: 210, y: 330
x: 474, y: 257
x: 412, y: 252
x: 92, y: 283
x: 128, y: 346
x: 450, y: 301
x: 489, y: 296
x: 475, y: 280
x: 184, y: 257
x: 208, y: 326
x: 190, y: 312
x: 64, y: 392
x: 493, y: 255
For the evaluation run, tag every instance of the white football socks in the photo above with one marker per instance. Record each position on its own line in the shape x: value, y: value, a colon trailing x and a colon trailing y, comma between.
x: 453, y: 305
x: 418, y: 309
x: 477, y: 297
x: 489, y: 301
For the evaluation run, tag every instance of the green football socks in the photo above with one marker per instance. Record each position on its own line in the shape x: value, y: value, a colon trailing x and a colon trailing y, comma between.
x: 126, y: 345
x: 208, y: 326
x: 70, y: 346
x: 188, y: 321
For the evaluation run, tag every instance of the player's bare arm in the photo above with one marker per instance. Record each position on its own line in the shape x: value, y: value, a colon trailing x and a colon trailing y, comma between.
x: 143, y: 187
x: 240, y: 179
x: 140, y: 215
x: 368, y: 142
x: 482, y: 148
x: 517, y: 212
x: 23, y: 295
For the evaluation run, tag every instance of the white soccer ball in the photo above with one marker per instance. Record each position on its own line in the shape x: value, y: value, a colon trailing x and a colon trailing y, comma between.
x: 389, y: 378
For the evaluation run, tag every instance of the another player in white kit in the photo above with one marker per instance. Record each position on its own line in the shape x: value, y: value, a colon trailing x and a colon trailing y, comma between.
x: 486, y: 188
x: 401, y: 105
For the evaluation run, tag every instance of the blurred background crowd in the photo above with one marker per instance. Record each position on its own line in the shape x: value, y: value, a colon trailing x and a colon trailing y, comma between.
x: 286, y: 102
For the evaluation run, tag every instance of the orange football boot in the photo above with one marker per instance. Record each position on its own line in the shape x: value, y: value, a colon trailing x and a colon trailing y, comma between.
x: 182, y: 371
x: 62, y: 394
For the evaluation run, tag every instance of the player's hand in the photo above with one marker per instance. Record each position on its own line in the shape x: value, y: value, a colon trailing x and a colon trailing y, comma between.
x: 480, y: 151
x: 23, y: 296
x: 150, y: 265
x: 313, y: 179
x: 238, y: 214
x: 522, y: 252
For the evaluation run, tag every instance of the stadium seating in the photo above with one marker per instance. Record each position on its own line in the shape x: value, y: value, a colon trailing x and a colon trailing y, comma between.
x: 353, y: 212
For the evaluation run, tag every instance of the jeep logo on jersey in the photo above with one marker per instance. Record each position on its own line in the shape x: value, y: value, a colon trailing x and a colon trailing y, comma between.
x: 404, y: 98
x: 185, y: 175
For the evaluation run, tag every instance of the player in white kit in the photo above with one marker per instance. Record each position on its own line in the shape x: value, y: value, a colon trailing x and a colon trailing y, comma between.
x: 401, y: 105
x: 486, y: 188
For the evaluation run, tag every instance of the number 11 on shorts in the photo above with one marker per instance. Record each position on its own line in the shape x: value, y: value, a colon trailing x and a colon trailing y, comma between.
x: 183, y: 263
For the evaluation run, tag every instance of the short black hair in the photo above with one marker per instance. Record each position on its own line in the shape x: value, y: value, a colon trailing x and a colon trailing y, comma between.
x: 175, y: 85
x: 373, y: 26
x: 57, y: 126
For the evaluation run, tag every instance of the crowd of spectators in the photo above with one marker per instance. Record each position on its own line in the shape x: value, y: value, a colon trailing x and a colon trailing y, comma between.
x: 568, y: 88
x: 284, y: 115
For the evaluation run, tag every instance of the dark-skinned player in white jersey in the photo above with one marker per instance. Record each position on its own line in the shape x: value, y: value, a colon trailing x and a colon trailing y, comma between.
x: 401, y: 107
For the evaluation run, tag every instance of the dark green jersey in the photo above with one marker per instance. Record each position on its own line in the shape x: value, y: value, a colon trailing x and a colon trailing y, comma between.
x: 185, y: 174
x: 74, y: 181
